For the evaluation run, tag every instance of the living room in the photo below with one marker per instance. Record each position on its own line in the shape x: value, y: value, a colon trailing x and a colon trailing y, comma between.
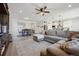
x: 40, y: 29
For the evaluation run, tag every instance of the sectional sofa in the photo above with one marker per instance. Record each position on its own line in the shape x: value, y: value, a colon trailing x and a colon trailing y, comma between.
x: 62, y: 45
x: 62, y: 48
x: 56, y: 35
x: 58, y: 38
x: 52, y: 36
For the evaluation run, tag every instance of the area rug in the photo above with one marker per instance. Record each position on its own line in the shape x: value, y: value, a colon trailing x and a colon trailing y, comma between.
x: 26, y: 46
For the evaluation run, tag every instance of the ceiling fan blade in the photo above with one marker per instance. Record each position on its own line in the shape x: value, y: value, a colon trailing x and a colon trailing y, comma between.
x: 38, y: 13
x: 45, y: 7
x: 46, y: 11
x: 37, y: 9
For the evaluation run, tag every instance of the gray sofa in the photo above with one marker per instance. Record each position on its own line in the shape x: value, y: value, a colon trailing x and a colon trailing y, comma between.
x: 54, y: 50
x: 52, y: 36
x: 55, y: 35
x: 69, y: 49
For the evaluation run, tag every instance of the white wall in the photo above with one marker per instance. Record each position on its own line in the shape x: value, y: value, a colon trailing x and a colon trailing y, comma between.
x: 17, y: 25
x: 66, y: 14
x: 72, y: 24
x: 75, y: 25
x: 70, y: 18
x: 13, y: 27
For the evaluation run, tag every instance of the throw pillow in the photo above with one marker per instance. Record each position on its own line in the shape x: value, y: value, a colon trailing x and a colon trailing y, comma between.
x: 51, y: 32
x: 71, y: 47
x: 61, y: 33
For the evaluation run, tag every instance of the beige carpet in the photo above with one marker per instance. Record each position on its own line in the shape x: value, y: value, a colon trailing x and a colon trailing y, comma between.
x: 26, y: 46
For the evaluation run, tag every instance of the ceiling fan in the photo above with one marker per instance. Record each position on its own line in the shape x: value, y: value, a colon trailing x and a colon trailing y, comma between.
x: 42, y: 10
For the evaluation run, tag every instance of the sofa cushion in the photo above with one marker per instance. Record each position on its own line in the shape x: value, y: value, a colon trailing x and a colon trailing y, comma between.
x: 71, y: 47
x: 53, y: 39
x: 56, y: 52
x: 62, y: 33
x: 51, y: 32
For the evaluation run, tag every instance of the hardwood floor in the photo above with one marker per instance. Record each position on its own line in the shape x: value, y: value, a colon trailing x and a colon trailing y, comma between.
x: 11, y: 51
x: 26, y: 46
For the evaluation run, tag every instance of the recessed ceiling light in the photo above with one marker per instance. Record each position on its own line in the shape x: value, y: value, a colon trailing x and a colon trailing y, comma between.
x: 20, y: 11
x: 69, y: 5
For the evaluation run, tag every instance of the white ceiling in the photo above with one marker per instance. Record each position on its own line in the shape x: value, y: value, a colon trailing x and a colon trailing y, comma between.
x: 29, y: 12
